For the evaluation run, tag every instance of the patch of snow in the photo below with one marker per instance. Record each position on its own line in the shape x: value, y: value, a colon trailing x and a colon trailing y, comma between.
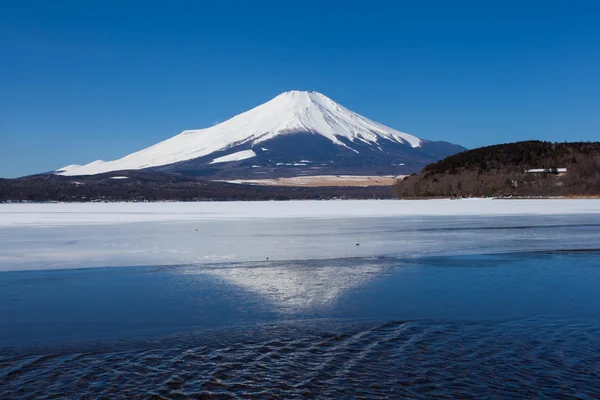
x: 119, y: 177
x: 296, y: 164
x: 239, y: 156
x: 69, y: 167
x: 545, y: 170
x: 290, y: 112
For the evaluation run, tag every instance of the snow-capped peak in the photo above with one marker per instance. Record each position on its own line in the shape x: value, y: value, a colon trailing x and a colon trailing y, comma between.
x: 290, y: 112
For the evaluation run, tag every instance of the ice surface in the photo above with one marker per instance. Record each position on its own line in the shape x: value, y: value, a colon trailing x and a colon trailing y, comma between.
x: 290, y: 112
x: 51, y: 236
x: 119, y: 213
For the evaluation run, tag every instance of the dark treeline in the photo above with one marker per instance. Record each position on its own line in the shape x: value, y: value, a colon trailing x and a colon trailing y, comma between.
x: 142, y: 186
x: 500, y: 171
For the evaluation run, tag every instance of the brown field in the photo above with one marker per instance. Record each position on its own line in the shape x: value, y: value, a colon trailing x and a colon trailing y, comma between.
x: 323, y: 180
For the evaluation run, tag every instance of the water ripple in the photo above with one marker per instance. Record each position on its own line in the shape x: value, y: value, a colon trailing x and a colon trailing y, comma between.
x: 514, y: 359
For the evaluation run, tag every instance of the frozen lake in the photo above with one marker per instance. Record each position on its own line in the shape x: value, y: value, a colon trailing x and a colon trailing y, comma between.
x: 58, y: 236
x: 445, y: 299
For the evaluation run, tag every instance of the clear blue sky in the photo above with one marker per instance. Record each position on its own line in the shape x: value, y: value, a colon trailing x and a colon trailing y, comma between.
x: 87, y: 80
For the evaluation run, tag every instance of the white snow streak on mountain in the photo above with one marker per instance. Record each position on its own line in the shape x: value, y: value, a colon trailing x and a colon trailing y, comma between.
x: 239, y: 156
x: 290, y: 112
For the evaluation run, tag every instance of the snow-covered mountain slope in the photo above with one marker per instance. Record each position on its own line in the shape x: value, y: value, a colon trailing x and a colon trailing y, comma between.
x: 290, y: 113
x: 239, y: 156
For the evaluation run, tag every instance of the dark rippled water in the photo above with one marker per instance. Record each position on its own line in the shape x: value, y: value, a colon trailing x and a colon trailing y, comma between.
x: 522, y: 325
x: 512, y: 359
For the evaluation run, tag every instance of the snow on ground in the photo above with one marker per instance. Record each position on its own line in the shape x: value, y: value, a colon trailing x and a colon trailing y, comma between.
x: 239, y: 156
x: 323, y: 180
x: 57, y: 214
x: 56, y: 236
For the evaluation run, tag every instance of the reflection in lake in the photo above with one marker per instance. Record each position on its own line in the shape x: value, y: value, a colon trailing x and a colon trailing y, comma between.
x: 300, y: 286
x: 515, y: 325
x: 518, y: 326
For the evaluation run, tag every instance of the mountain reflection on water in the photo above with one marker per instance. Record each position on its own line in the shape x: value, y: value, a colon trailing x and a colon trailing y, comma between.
x: 515, y: 325
x: 297, y: 286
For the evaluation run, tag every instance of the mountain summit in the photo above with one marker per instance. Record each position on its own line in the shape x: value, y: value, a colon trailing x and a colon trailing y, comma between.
x: 295, y: 129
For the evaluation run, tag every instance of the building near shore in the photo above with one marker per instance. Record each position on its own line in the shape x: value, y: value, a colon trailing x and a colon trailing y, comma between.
x: 555, y: 171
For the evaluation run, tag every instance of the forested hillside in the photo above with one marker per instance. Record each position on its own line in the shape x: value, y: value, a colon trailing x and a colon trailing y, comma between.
x: 501, y: 170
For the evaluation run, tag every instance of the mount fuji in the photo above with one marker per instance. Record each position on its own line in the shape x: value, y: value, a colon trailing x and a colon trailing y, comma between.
x: 295, y: 133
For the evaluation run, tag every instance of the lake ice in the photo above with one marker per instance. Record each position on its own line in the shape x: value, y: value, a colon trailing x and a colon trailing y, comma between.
x: 57, y: 236
x: 371, y: 299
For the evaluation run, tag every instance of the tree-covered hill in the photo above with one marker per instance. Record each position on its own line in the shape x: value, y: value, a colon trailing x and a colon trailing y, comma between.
x: 500, y: 170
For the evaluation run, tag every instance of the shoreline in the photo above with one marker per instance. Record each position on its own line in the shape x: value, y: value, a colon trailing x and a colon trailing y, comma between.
x: 571, y: 197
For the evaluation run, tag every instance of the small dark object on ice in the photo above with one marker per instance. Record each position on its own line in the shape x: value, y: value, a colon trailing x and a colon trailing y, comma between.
x: 357, y: 244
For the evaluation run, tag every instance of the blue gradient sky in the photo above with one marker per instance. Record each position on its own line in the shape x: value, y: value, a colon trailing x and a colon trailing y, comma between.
x: 87, y: 80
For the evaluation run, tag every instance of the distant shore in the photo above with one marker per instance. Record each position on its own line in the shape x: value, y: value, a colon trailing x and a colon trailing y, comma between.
x: 349, y: 199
